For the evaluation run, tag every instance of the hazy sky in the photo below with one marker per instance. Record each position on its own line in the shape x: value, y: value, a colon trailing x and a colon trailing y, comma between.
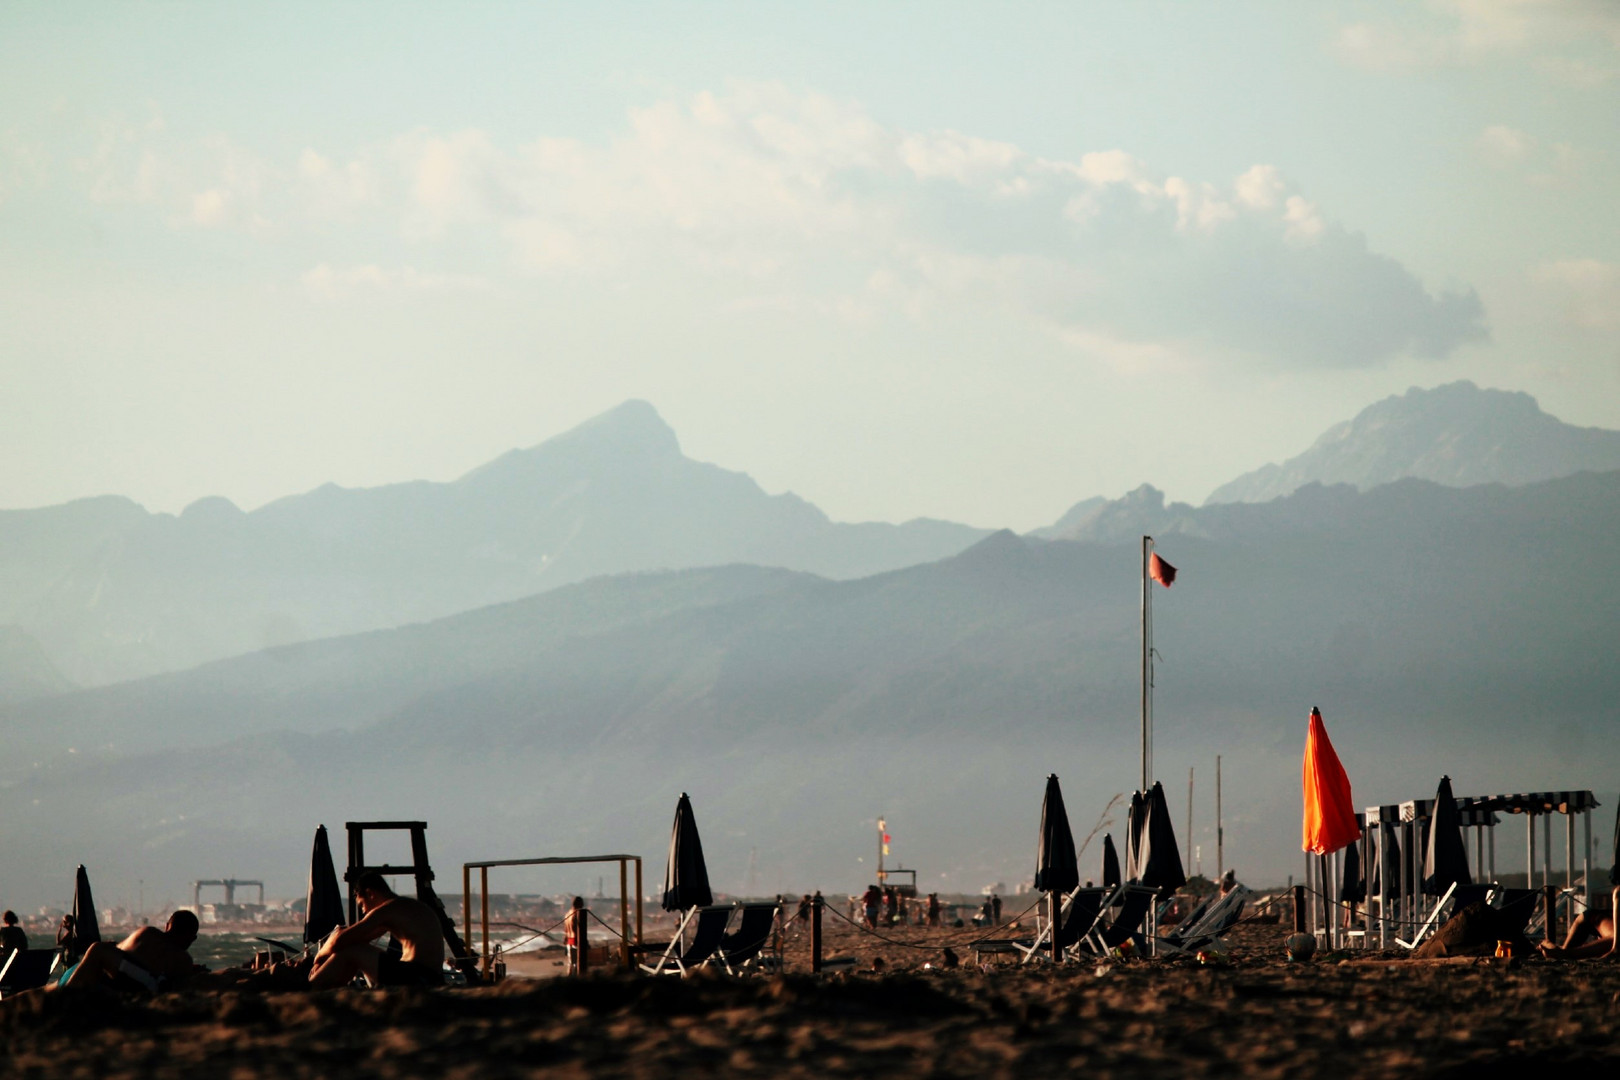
x: 973, y: 261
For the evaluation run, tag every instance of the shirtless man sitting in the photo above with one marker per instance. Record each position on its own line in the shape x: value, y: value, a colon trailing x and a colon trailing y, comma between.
x: 146, y: 961
x: 347, y: 952
x: 1593, y: 925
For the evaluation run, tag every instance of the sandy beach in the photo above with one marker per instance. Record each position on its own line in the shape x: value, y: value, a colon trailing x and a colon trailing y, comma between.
x: 1254, y: 1014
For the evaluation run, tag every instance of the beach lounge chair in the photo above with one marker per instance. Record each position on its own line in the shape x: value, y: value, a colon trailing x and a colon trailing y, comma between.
x: 1076, y: 921
x: 1080, y: 911
x: 1126, y: 925
x: 26, y: 969
x: 706, y: 940
x: 1209, y: 923
x: 742, y: 948
x: 1455, y: 899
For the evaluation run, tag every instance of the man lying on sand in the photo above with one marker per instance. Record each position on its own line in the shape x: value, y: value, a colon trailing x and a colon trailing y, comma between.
x: 1595, y: 925
x: 145, y: 962
x: 348, y: 952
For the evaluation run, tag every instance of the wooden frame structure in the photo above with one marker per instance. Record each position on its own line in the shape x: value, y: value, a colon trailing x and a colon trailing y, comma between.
x: 483, y: 868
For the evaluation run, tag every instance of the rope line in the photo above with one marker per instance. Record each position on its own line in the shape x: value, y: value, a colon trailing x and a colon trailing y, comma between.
x: 924, y: 948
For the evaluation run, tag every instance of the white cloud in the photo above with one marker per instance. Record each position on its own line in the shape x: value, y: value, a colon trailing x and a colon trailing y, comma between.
x: 1503, y: 146
x: 326, y: 282
x: 209, y: 207
x: 1555, y: 165
x: 1551, y: 34
x: 1585, y: 292
x: 762, y: 193
x: 1260, y: 188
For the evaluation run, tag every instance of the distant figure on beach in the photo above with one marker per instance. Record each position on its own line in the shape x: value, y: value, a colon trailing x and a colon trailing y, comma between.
x: 348, y: 951
x: 995, y: 909
x: 804, y: 909
x: 933, y: 910
x: 574, y: 936
x: 987, y: 913
x: 12, y: 937
x: 873, y: 902
x: 1593, y: 925
x: 145, y: 962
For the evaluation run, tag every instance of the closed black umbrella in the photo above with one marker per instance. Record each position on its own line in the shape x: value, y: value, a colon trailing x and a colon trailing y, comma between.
x: 1158, y: 858
x: 1445, y: 857
x: 686, y: 877
x: 1386, y: 868
x: 1134, y: 820
x: 85, y: 931
x: 1110, y: 871
x: 1353, y: 889
x: 323, y: 903
x: 1057, y: 870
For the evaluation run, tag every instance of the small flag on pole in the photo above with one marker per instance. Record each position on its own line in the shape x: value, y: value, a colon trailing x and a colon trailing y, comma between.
x: 1161, y: 571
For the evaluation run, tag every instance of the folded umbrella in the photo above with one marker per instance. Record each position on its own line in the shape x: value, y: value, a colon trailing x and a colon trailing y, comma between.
x: 1110, y: 867
x: 1445, y: 858
x: 1057, y: 870
x: 686, y: 876
x: 323, y: 903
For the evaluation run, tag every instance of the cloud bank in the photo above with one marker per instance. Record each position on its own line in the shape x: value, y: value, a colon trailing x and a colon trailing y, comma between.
x: 773, y: 197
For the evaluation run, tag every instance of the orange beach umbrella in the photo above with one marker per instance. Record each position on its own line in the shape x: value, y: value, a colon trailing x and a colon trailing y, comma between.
x: 1330, y: 812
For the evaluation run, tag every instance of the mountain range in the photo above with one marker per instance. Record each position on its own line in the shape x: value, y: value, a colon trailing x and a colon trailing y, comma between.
x: 100, y: 590
x: 108, y: 591
x: 1440, y: 629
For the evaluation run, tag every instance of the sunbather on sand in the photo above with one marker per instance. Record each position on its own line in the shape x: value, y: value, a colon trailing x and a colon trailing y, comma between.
x: 348, y: 952
x: 1594, y: 925
x: 147, y: 961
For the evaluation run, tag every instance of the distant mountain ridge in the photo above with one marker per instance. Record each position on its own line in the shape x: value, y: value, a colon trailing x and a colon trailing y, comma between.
x: 1457, y: 435
x: 1440, y: 629
x: 111, y: 592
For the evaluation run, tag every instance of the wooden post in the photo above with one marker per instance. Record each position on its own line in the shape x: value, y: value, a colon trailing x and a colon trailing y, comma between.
x: 624, y: 913
x: 483, y: 900
x: 815, y: 934
x: 638, y: 900
x: 1299, y: 909
x: 582, y: 945
x: 466, y: 905
x: 1220, y: 830
x: 1549, y: 904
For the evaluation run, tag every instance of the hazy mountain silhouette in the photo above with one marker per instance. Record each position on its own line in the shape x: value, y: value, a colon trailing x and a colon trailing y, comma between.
x: 113, y: 592
x: 1440, y: 629
x: 1457, y: 435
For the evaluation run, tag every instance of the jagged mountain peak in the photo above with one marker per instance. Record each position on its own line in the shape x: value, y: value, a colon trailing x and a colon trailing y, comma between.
x: 1458, y: 434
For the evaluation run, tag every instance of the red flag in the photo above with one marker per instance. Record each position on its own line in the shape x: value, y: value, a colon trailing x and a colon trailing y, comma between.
x: 1330, y: 811
x: 1161, y: 571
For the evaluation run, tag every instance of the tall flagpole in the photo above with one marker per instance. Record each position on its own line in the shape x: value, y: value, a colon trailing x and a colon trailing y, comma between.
x: 1147, y: 683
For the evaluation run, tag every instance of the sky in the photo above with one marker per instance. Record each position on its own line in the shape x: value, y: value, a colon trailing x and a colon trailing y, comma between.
x: 965, y: 261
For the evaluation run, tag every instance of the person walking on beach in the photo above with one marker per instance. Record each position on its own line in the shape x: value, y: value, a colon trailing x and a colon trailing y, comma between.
x: 804, y: 909
x: 873, y: 902
x: 348, y: 951
x: 575, y: 938
x: 995, y: 909
x: 933, y: 911
x: 12, y: 937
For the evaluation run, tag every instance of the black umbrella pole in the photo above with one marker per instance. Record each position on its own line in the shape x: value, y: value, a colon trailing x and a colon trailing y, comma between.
x: 815, y: 934
x: 1053, y: 908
